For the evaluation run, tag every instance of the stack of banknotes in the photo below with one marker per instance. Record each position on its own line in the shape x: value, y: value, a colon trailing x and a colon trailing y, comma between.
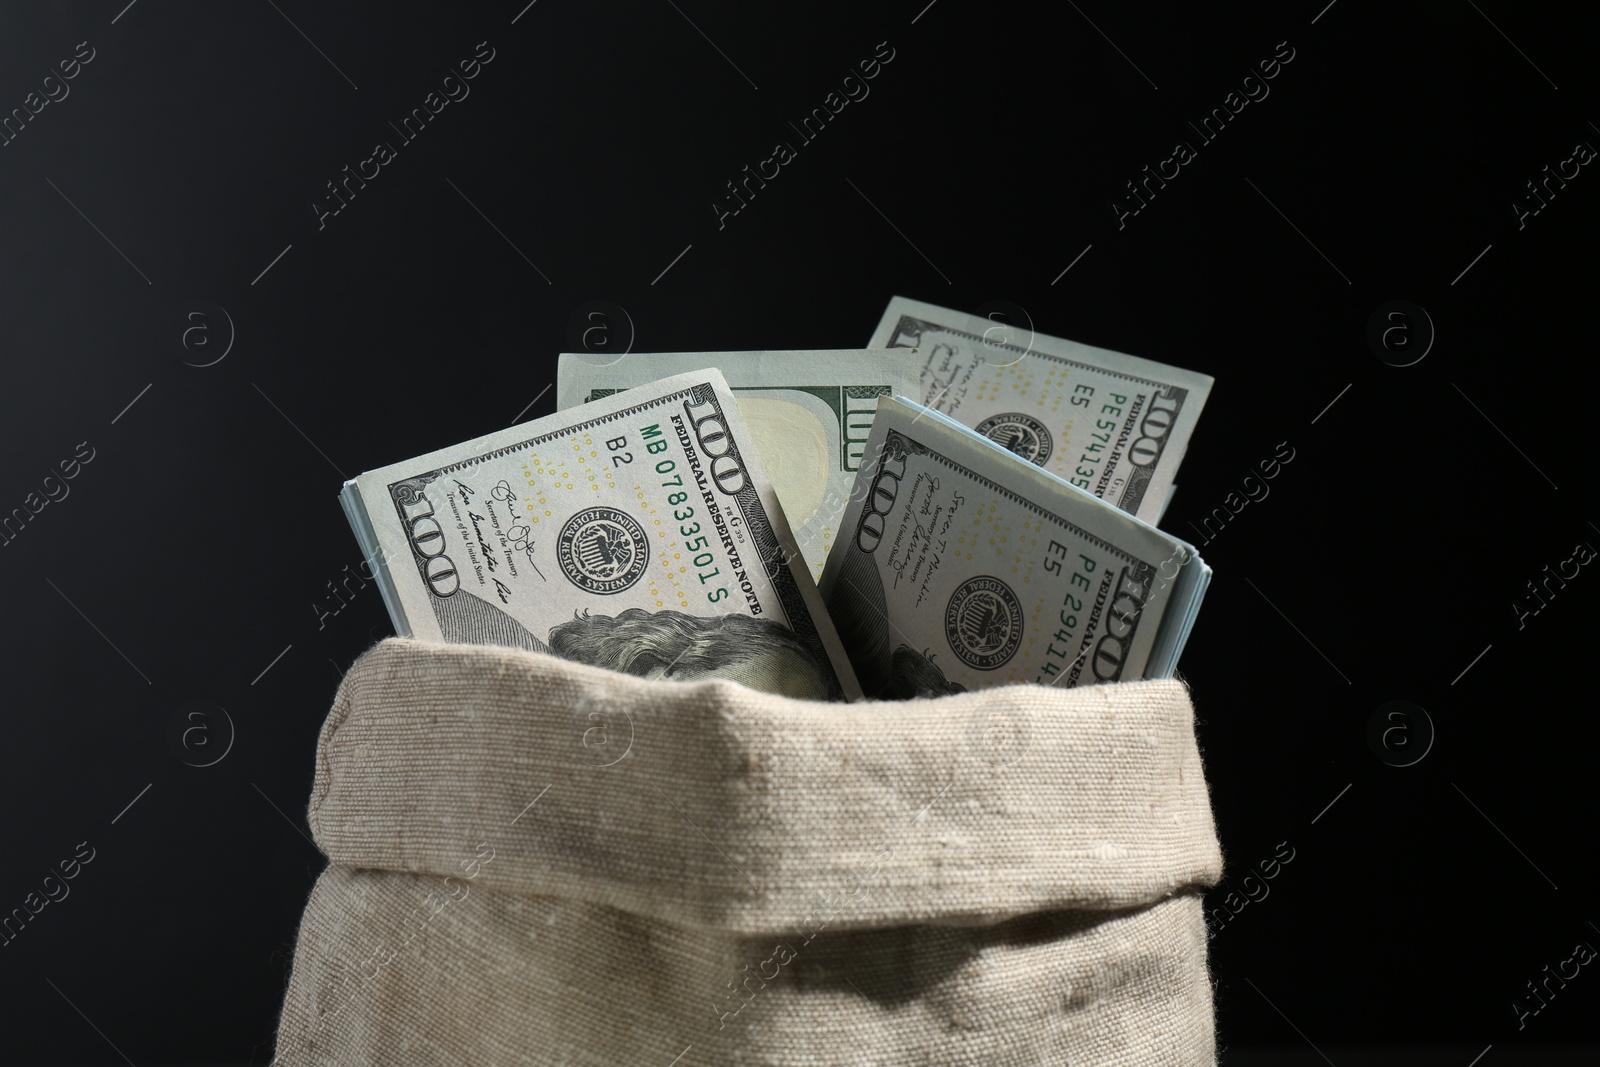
x: 964, y: 503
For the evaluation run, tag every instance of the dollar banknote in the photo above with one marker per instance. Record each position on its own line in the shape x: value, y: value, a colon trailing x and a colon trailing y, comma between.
x: 962, y: 566
x: 639, y: 533
x: 809, y: 414
x: 1111, y: 423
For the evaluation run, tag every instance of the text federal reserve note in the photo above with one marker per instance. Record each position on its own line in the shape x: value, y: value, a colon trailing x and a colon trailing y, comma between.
x: 808, y: 413
x: 1113, y: 424
x: 638, y: 533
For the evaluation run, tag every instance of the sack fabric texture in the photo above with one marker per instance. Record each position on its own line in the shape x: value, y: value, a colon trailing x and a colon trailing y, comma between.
x: 533, y: 861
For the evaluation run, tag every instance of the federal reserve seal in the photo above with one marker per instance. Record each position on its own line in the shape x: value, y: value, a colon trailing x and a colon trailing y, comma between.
x: 983, y: 623
x: 1019, y: 433
x: 602, y: 550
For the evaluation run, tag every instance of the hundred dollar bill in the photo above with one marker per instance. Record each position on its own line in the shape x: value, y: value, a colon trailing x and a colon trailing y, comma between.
x: 1113, y: 424
x: 808, y: 413
x: 961, y: 566
x: 638, y: 533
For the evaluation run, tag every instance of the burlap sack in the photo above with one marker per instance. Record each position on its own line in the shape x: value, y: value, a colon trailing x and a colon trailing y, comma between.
x: 538, y: 862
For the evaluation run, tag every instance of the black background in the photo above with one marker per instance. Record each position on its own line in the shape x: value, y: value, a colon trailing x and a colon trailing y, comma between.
x: 188, y: 559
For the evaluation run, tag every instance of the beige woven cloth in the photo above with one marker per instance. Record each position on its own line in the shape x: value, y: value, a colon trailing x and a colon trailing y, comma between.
x: 538, y: 862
